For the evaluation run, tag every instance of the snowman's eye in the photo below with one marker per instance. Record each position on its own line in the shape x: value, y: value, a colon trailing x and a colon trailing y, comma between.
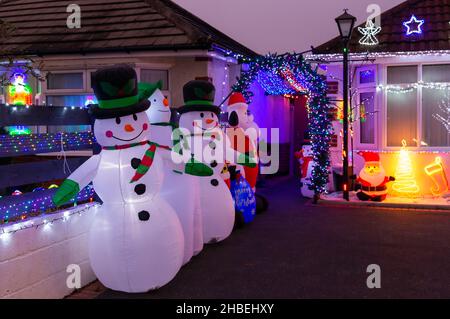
x: 212, y: 114
x: 117, y: 120
x: 201, y: 114
x: 135, y: 117
x: 154, y: 100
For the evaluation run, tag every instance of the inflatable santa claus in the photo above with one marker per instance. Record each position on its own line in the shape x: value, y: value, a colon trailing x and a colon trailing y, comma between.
x: 372, y: 179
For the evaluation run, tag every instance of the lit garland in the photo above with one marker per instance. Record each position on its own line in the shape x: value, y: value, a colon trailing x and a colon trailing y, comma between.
x: 377, y: 55
x: 7, y: 231
x: 37, y: 204
x: 44, y: 143
x: 290, y: 74
x: 408, y: 88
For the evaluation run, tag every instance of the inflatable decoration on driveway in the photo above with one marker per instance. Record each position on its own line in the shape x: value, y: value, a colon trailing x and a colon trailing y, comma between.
x: 244, y: 134
x: 136, y: 240
x: 201, y: 134
x: 179, y: 189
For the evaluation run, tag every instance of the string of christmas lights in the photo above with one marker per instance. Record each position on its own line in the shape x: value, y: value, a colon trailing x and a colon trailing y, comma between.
x: 377, y: 55
x: 13, y: 145
x: 298, y: 77
x: 7, y: 231
x: 38, y: 204
x: 407, y: 88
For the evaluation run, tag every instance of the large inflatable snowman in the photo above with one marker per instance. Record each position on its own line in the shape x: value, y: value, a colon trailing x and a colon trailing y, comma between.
x: 202, y: 139
x: 136, y: 240
x: 179, y: 189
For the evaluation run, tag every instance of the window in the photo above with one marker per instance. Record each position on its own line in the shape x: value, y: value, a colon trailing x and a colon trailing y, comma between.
x: 155, y: 76
x: 435, y: 102
x: 365, y: 123
x: 402, y: 106
x: 366, y: 76
x: 65, y: 81
x: 68, y: 89
x: 412, y: 107
x: 367, y: 117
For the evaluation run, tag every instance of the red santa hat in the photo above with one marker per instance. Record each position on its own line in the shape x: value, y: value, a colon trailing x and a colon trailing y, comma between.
x: 370, y: 156
x: 237, y: 100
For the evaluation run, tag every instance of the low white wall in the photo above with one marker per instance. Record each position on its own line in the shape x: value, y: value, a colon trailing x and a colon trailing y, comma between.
x: 33, y: 261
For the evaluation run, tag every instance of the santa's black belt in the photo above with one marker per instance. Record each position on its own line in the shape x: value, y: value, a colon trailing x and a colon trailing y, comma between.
x: 374, y: 188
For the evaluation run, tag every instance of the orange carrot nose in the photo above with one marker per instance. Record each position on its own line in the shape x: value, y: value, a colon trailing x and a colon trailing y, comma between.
x: 128, y: 128
x: 166, y: 102
x: 209, y: 121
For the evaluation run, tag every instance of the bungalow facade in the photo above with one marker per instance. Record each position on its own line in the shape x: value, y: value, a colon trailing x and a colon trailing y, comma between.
x: 399, y: 91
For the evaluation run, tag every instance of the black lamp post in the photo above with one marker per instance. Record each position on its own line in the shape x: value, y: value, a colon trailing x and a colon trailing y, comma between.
x: 345, y: 23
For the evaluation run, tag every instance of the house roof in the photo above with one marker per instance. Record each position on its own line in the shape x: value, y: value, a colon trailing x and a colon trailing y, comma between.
x: 107, y: 26
x: 393, y: 38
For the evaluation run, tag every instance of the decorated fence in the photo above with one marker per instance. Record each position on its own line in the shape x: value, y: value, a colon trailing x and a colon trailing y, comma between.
x: 16, y: 172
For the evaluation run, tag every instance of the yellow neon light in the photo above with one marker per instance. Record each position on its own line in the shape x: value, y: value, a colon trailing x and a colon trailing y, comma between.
x: 405, y: 183
x: 437, y: 169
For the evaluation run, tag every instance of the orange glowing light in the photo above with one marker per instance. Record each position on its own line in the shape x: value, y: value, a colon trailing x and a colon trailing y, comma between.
x: 405, y: 182
x: 437, y: 173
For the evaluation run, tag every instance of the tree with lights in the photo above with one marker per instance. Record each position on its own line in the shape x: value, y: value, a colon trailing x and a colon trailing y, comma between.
x: 405, y: 182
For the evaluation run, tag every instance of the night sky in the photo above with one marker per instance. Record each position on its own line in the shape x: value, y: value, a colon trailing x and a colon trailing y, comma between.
x: 279, y: 25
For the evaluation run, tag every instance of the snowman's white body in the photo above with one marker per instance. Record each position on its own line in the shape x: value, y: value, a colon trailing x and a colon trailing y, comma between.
x: 126, y: 252
x: 217, y: 204
x: 180, y: 190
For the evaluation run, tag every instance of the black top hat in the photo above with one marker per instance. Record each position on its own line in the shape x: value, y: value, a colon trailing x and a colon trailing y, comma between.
x: 198, y: 96
x: 118, y: 92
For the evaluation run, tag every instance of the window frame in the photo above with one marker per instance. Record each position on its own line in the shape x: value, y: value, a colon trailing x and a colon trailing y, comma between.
x: 46, y: 90
x: 419, y: 106
x: 366, y: 88
x: 166, y: 68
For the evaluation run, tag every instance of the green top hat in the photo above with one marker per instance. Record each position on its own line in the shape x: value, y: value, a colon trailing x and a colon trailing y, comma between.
x: 198, y: 96
x: 118, y: 93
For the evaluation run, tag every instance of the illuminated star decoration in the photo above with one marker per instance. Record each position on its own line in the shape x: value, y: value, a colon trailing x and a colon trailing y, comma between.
x: 369, y: 33
x: 413, y: 25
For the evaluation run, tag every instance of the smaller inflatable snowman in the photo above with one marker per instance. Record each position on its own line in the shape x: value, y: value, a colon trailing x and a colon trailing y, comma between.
x: 305, y: 158
x: 202, y: 139
x: 179, y: 189
x: 136, y: 240
x: 159, y: 115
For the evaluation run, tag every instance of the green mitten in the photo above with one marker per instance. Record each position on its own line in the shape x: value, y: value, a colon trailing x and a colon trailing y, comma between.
x: 68, y: 190
x: 197, y: 168
x: 246, y: 160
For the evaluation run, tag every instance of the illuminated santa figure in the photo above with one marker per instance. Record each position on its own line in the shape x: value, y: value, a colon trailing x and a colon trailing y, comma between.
x: 372, y: 179
x: 19, y: 91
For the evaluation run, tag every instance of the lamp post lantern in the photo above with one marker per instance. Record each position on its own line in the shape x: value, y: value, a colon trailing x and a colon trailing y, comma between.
x: 345, y: 23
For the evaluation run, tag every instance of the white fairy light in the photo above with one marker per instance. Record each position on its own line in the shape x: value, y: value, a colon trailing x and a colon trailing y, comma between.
x: 369, y: 33
x: 6, y: 232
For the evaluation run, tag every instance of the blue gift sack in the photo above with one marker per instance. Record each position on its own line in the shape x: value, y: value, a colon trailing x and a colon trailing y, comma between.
x: 244, y: 198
